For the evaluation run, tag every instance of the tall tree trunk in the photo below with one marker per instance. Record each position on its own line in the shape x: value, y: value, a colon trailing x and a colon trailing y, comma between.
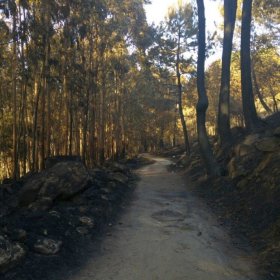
x: 102, y: 114
x: 35, y: 121
x: 202, y: 104
x: 14, y: 90
x: 66, y: 93
x: 85, y: 126
x: 275, y: 105
x: 179, y: 89
x: 249, y: 109
x: 230, y: 7
x: 25, y: 128
x: 122, y: 119
x: 24, y: 113
x: 70, y: 112
x: 47, y: 89
x: 42, y: 132
x: 271, y: 91
x: 258, y: 91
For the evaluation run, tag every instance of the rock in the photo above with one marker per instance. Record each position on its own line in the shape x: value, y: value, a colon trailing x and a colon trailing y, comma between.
x: 104, y: 197
x: 117, y: 167
x: 183, y: 160
x: 51, y: 161
x: 4, y: 211
x: 61, y: 181
x: 18, y: 235
x: 276, y: 131
x: 10, y: 253
x: 99, y: 173
x: 264, y: 163
x: 106, y: 191
x: 243, y: 183
x: 44, y: 203
x: 111, y: 185
x: 244, y: 150
x: 119, y: 178
x: 251, y: 139
x: 235, y: 168
x: 82, y: 230
x: 47, y: 246
x: 55, y: 214
x: 268, y: 144
x: 83, y: 209
x: 87, y: 221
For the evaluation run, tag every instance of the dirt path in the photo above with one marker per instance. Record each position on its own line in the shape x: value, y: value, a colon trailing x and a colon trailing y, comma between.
x: 166, y: 234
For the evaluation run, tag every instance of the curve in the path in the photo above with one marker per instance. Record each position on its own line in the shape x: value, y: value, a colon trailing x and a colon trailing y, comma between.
x: 167, y: 234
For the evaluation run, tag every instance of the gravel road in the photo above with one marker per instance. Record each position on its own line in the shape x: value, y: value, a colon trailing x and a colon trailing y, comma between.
x: 166, y: 234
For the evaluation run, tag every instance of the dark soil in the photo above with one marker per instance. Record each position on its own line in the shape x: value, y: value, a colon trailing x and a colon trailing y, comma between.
x: 61, y: 223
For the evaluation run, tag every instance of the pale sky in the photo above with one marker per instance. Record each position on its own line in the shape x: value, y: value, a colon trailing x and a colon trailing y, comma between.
x: 156, y: 12
x: 158, y: 9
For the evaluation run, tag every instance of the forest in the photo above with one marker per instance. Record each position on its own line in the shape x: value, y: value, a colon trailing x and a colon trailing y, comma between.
x: 93, y: 79
x: 160, y: 140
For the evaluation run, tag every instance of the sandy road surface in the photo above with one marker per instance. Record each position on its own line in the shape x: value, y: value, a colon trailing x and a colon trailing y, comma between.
x: 166, y: 234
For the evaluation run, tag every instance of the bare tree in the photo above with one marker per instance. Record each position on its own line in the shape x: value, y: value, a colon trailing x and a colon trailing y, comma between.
x: 249, y: 109
x: 230, y: 7
x: 202, y: 104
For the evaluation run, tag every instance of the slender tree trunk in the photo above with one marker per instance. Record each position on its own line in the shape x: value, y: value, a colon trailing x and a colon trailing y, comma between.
x: 275, y: 109
x: 43, y: 129
x: 182, y: 117
x: 249, y: 108
x: 230, y: 7
x: 102, y: 116
x: 48, y: 142
x: 45, y: 19
x: 92, y: 141
x: 24, y: 127
x: 14, y: 88
x: 66, y: 93
x: 122, y: 120
x: 85, y: 127
x: 35, y: 121
x: 258, y: 91
x: 179, y: 89
x: 70, y: 112
x: 202, y: 104
x: 23, y: 132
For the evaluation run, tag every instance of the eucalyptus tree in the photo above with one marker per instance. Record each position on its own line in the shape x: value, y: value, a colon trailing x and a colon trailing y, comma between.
x: 176, y: 44
x: 230, y: 7
x: 249, y: 109
x: 206, y: 151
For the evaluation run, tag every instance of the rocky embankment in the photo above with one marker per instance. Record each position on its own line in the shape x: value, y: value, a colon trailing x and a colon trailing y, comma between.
x: 247, y: 198
x: 47, y: 218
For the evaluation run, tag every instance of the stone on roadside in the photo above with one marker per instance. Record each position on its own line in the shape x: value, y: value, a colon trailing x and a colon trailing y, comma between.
x: 244, y: 150
x: 235, y: 168
x: 87, y: 221
x: 117, y: 167
x: 251, y: 139
x: 47, y: 246
x: 82, y: 230
x: 18, y: 235
x: 268, y: 144
x: 276, y: 131
x: 119, y: 177
x: 61, y: 181
x: 10, y: 253
x: 43, y: 204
